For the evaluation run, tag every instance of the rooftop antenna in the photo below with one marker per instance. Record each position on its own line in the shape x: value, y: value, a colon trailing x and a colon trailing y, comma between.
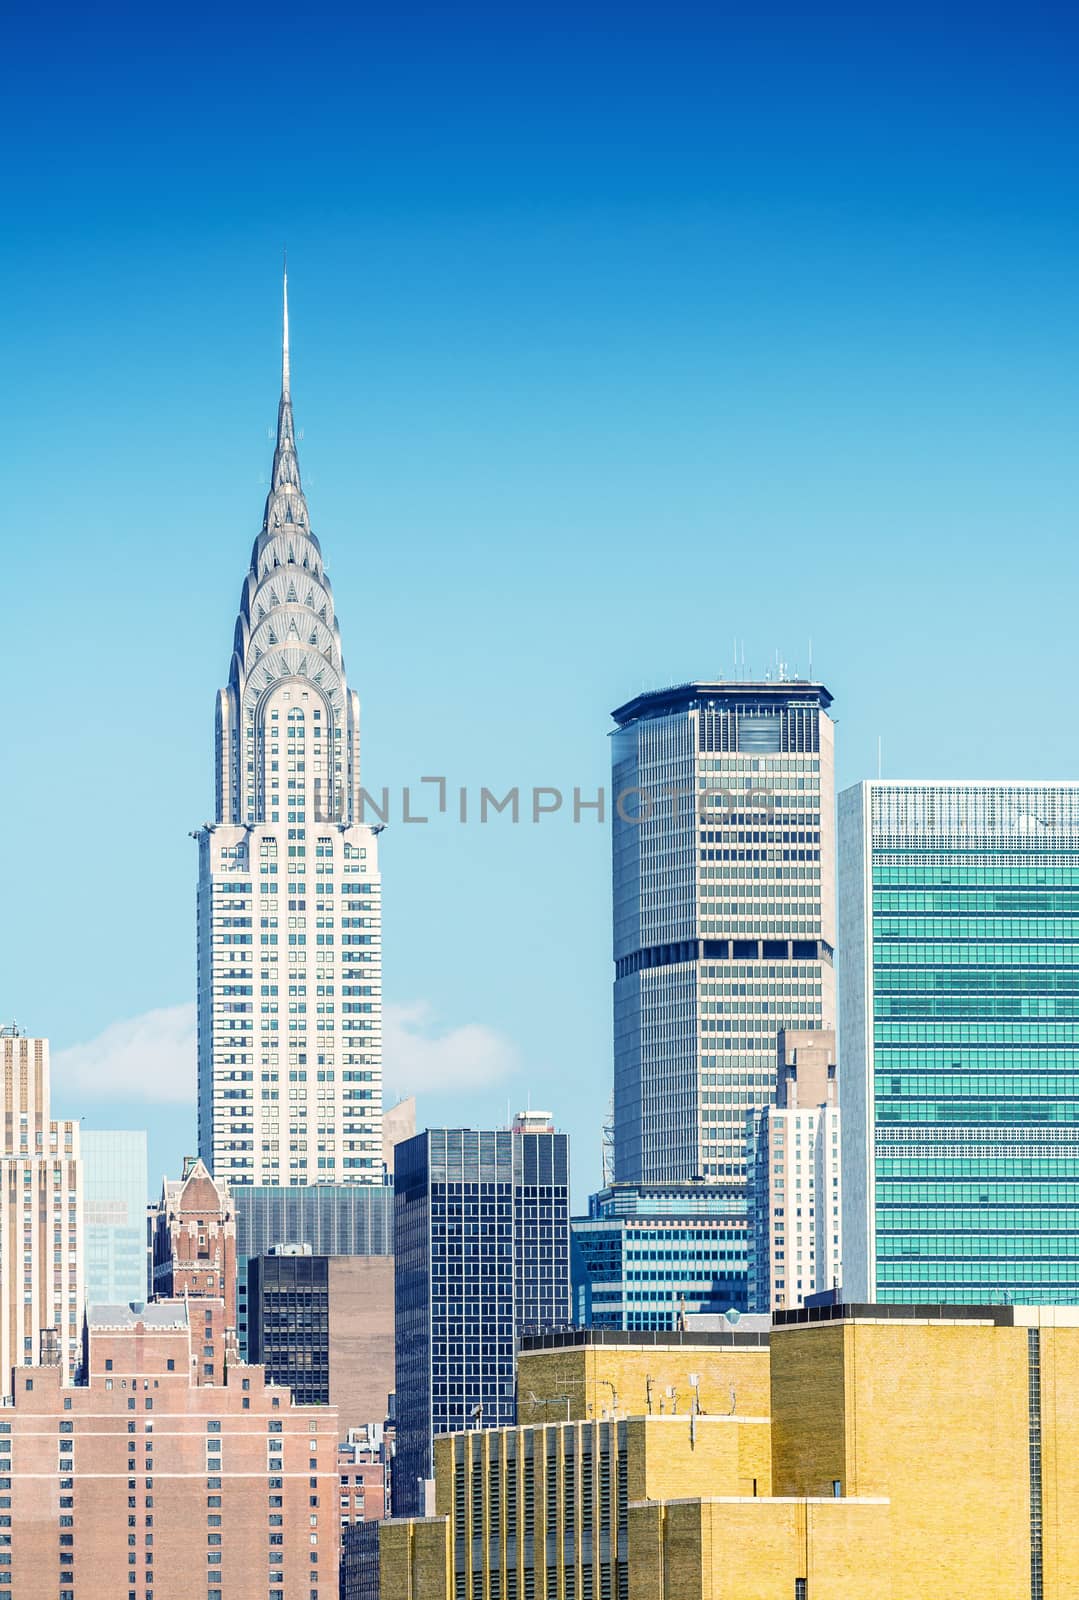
x: 880, y: 757
x: 811, y: 660
x: 607, y: 1145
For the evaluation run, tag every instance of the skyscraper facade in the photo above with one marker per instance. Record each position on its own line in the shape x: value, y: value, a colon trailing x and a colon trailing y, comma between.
x: 482, y: 1257
x: 724, y: 914
x: 114, y: 1209
x: 41, y: 1223
x: 959, y: 1041
x: 289, y: 972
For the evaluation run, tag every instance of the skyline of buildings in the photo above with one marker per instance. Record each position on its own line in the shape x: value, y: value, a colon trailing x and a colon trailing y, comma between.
x: 322, y: 1248
x: 712, y: 757
x: 289, y: 896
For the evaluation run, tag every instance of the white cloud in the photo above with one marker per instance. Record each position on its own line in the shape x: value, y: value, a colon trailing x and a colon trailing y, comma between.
x: 417, y: 1057
x: 151, y: 1057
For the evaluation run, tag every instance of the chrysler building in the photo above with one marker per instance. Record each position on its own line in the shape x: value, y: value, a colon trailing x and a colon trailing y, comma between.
x: 289, y: 945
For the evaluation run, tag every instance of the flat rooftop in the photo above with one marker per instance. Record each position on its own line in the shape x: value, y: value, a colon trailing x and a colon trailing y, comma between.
x: 651, y: 1338
x: 1000, y: 1316
x: 153, y: 1314
x: 720, y: 692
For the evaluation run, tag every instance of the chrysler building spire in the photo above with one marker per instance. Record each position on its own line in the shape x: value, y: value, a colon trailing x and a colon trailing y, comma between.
x: 289, y: 838
x: 285, y: 503
x: 286, y: 628
x: 284, y: 333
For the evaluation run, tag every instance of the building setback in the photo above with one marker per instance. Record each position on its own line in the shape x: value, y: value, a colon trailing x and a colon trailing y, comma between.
x: 115, y: 1187
x: 959, y: 1042
x: 323, y: 1328
x: 145, y: 1481
x: 482, y: 1257
x: 289, y: 903
x: 724, y: 914
x: 796, y: 1206
x: 41, y: 1217
x: 542, y: 1507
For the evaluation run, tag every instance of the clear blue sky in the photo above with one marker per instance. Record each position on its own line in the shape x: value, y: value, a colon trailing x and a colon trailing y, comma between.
x: 615, y: 337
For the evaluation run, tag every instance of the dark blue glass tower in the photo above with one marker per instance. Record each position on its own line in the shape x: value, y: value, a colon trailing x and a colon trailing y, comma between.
x: 481, y: 1241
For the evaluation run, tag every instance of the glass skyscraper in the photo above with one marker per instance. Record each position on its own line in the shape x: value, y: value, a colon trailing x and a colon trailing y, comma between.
x: 481, y: 1245
x: 115, y: 1190
x: 959, y: 1041
x: 648, y: 1255
x: 724, y: 914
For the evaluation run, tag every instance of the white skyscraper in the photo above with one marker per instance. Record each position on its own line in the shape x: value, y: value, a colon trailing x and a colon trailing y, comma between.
x: 289, y: 979
x: 41, y: 1226
x: 796, y: 1237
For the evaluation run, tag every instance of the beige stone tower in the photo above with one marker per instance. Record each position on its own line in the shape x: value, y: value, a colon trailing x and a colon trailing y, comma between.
x: 41, y: 1253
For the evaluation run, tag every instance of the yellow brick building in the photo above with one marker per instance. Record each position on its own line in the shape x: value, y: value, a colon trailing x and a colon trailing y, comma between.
x: 891, y: 1453
x: 736, y: 1549
x: 593, y: 1372
x: 968, y: 1421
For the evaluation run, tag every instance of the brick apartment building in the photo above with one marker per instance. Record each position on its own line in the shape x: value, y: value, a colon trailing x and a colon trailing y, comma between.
x: 155, y: 1479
